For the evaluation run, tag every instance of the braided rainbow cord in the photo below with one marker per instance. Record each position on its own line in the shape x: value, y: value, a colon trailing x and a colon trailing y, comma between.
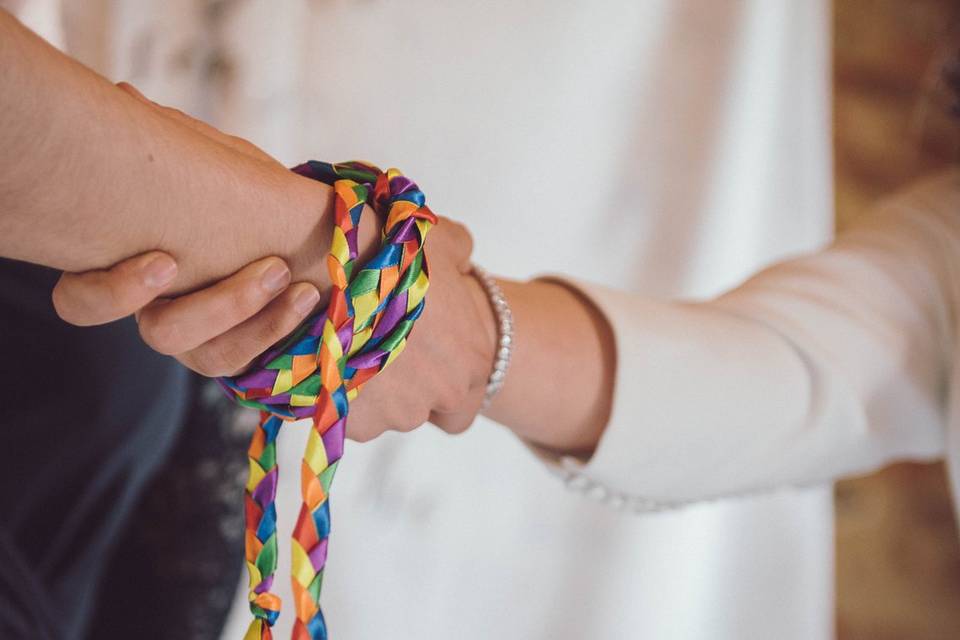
x: 320, y: 368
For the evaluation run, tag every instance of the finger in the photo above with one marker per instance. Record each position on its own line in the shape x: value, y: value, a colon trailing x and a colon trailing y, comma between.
x: 238, y: 144
x: 96, y: 297
x: 366, y: 419
x: 378, y: 408
x: 234, y: 350
x: 362, y: 421
x: 179, y: 325
x: 367, y: 422
x: 452, y: 423
x: 385, y: 404
x: 456, y: 422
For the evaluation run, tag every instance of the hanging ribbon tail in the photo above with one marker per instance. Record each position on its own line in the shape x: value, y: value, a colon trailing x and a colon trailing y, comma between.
x: 258, y: 630
x: 320, y: 368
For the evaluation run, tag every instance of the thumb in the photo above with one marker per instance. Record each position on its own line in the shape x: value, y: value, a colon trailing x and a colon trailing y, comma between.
x: 98, y: 297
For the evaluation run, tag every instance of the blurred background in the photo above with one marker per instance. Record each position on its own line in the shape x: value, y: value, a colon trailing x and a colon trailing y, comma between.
x: 898, y: 558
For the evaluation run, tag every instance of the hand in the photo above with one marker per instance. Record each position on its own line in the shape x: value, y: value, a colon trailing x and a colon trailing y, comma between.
x: 440, y: 377
x: 220, y: 330
x: 442, y: 374
x: 216, y: 331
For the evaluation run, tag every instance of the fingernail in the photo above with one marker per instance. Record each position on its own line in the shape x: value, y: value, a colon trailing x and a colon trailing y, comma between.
x: 159, y: 272
x: 275, y: 278
x: 306, y: 301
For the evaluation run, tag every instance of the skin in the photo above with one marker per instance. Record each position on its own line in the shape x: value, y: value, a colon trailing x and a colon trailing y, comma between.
x: 449, y: 354
x: 220, y: 329
x: 170, y: 188
x: 91, y: 175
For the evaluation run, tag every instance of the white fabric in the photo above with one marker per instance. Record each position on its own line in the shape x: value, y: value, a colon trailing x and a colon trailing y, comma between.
x: 661, y: 147
x: 664, y: 147
x: 824, y: 366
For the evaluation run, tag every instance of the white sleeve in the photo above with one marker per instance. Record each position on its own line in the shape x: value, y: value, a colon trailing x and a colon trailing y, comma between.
x: 822, y: 366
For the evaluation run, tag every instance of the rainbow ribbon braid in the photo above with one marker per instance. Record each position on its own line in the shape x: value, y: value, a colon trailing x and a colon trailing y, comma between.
x: 320, y: 368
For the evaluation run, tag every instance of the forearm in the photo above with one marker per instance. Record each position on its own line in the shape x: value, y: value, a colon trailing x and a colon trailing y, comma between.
x: 819, y: 367
x: 559, y: 387
x: 89, y: 176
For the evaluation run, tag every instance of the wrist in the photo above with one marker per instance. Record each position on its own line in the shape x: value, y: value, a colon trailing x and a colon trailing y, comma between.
x: 308, y: 205
x: 303, y: 219
x: 558, y: 392
x: 503, y: 333
x: 485, y: 332
x: 255, y: 210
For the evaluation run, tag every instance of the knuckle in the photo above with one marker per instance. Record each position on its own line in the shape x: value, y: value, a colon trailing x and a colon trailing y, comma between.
x: 190, y: 362
x: 220, y: 359
x: 282, y: 322
x: 205, y: 365
x: 460, y: 427
x: 453, y: 423
x: 117, y: 299
x: 275, y: 328
x: 161, y: 336
x: 405, y: 416
x: 419, y: 418
x: 451, y: 396
x: 199, y: 365
x: 244, y: 301
x: 120, y: 290
x: 446, y: 403
x: 360, y: 435
x: 462, y: 238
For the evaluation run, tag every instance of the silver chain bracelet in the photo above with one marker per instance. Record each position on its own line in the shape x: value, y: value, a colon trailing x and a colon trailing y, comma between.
x: 504, y: 334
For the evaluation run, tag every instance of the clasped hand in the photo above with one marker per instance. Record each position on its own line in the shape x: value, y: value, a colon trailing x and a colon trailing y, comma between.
x: 219, y: 330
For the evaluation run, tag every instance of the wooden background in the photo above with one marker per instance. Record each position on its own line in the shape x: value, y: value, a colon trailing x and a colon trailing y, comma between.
x: 898, y: 556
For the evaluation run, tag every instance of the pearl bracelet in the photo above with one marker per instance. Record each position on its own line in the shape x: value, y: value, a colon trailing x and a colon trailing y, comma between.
x: 504, y: 334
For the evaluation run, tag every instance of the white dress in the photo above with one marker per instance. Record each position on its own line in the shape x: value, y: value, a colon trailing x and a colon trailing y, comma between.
x: 665, y: 147
x: 670, y: 148
x: 823, y: 366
